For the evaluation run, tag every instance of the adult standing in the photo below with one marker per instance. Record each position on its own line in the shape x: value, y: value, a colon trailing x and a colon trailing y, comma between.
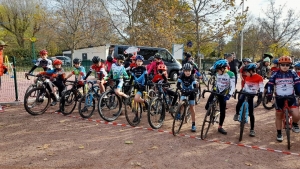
x: 3, y: 69
x: 235, y: 65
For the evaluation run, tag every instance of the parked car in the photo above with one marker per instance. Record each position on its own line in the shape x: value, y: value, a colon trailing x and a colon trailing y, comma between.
x: 172, y: 64
x: 66, y: 61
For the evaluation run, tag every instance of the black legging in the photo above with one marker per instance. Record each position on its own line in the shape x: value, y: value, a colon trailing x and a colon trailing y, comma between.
x: 222, y: 107
x: 174, y: 94
x: 60, y: 85
x: 250, y: 102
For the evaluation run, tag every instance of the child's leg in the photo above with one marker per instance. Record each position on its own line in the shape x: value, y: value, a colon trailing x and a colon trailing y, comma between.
x: 138, y: 97
x: 222, y: 105
x: 239, y: 104
x: 251, y: 115
x: 118, y: 90
x: 210, y: 98
x: 101, y: 85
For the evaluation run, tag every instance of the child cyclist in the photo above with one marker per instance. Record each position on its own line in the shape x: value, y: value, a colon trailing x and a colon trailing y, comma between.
x: 43, y: 62
x: 139, y: 74
x: 275, y: 67
x: 243, y: 73
x: 99, y: 68
x: 57, y: 76
x: 187, y: 84
x: 287, y: 83
x: 161, y: 77
x: 253, y: 82
x: 225, y: 85
x: 79, y: 71
x: 117, y: 73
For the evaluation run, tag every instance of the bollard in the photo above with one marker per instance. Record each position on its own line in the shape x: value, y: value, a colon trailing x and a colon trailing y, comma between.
x: 15, y: 79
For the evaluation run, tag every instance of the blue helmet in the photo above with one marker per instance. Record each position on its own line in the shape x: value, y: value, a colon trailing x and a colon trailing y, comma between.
x: 220, y: 64
x: 139, y: 57
x: 250, y: 66
x: 275, y: 61
x: 297, y: 65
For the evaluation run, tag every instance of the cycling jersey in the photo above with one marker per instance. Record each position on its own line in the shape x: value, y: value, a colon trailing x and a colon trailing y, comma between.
x: 243, y: 73
x: 225, y: 82
x: 44, y: 63
x: 79, y: 71
x: 100, y: 70
x: 117, y: 72
x: 253, y: 83
x: 139, y: 74
x: 274, y: 69
x: 286, y: 83
x: 186, y: 82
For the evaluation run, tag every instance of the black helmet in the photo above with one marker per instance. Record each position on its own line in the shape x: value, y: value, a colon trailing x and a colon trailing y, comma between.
x: 96, y: 59
x: 76, y: 61
x: 120, y: 57
x: 187, y: 66
x: 151, y: 58
x: 109, y: 58
x: 157, y: 56
x: 247, y: 60
x: 187, y: 55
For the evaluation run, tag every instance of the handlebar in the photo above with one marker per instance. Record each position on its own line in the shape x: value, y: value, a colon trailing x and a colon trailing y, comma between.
x: 204, y: 91
x: 244, y: 93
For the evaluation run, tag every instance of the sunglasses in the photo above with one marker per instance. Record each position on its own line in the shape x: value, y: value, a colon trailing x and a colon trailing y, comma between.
x: 285, y: 65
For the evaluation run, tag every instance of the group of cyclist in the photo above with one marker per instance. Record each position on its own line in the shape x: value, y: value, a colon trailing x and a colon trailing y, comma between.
x: 282, y: 81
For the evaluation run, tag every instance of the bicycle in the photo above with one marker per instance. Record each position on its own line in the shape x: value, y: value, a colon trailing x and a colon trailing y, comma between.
x: 211, y: 82
x: 244, y: 111
x: 287, y: 118
x: 69, y: 98
x: 212, y: 113
x: 183, y: 114
x: 158, y: 106
x: 40, y: 94
x: 269, y: 105
x: 86, y: 106
x: 112, y: 101
x: 133, y: 110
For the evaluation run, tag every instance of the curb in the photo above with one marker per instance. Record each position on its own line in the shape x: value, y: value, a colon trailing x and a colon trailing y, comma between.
x: 187, y: 136
x: 15, y: 103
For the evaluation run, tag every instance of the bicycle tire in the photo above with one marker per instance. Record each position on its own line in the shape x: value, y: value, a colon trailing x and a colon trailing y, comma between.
x: 179, y: 117
x: 265, y: 103
x: 243, y: 121
x: 198, y: 95
x: 156, y: 113
x: 42, y: 94
x: 71, y: 100
x: 29, y: 88
x: 204, y: 79
x: 84, y: 104
x: 109, y: 115
x: 287, y: 128
x: 151, y: 93
x: 207, y: 119
x: 132, y: 114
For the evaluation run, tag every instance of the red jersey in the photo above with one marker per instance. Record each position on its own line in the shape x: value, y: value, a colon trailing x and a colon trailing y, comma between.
x: 96, y: 68
x: 298, y: 73
x: 132, y: 65
x: 157, y: 78
x: 274, y: 69
x: 253, y: 83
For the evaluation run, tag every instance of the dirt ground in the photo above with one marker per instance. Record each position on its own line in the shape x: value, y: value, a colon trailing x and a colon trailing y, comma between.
x: 55, y: 141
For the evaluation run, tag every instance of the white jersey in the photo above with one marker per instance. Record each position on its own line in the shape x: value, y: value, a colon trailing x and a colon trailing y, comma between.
x: 44, y: 63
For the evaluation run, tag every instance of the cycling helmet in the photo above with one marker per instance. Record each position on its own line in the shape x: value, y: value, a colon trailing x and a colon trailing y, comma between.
x: 220, y: 64
x: 284, y: 59
x: 247, y: 60
x: 133, y: 57
x: 43, y: 52
x: 161, y: 67
x: 139, y: 57
x: 187, y: 55
x: 269, y: 55
x: 275, y: 61
x: 297, y: 65
x: 57, y: 62
x: 120, y: 57
x: 96, y: 59
x: 109, y: 58
x: 250, y: 66
x: 187, y: 66
x: 157, y: 56
x: 76, y: 61
x: 151, y: 58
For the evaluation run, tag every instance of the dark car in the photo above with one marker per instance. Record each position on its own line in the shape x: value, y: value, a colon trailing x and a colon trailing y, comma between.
x: 172, y: 64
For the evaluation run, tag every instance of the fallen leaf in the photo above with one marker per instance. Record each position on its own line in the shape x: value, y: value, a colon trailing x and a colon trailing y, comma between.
x: 50, y: 153
x: 128, y: 142
x: 81, y: 146
x: 62, y: 121
x: 121, y: 130
x: 152, y: 148
x: 138, y: 164
x: 248, y: 164
x: 45, y: 159
x: 140, y: 152
x: 46, y: 146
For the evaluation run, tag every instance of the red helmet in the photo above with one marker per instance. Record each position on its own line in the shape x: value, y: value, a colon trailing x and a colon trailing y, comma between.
x: 161, y: 67
x: 285, y: 59
x: 133, y: 57
x: 57, y: 62
x: 43, y: 52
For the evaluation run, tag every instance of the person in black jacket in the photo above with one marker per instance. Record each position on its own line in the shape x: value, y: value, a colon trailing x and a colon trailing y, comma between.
x: 235, y: 65
x: 187, y: 58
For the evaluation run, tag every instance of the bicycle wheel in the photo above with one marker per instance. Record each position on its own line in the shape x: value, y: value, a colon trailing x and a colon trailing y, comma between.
x: 86, y: 105
x: 179, y: 118
x: 198, y: 94
x: 68, y: 102
x: 113, y: 103
x: 133, y: 112
x: 287, y: 128
x: 29, y: 88
x: 268, y: 105
x: 156, y: 113
x: 207, y: 121
x: 211, y: 83
x: 151, y: 93
x: 39, y: 104
x: 243, y: 120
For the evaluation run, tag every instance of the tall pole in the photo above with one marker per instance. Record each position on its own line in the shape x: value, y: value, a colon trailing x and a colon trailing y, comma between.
x: 242, y: 33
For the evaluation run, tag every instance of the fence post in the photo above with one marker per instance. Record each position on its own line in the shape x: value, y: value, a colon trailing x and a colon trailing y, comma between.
x: 15, y: 79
